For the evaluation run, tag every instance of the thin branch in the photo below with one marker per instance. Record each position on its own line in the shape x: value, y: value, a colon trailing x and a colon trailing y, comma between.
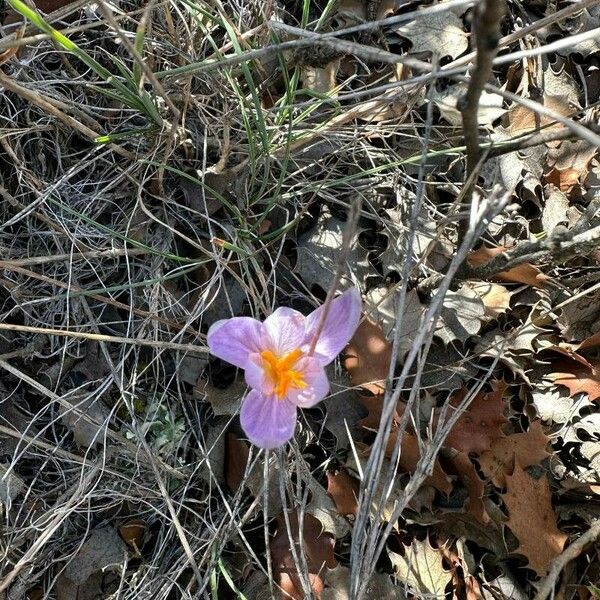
x: 547, y: 584
x: 561, y: 245
x: 113, y: 339
x: 486, y: 27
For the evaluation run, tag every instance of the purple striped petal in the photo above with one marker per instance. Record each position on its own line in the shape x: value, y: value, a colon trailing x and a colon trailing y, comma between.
x: 286, y: 330
x: 317, y: 383
x: 267, y: 421
x: 339, y: 327
x: 235, y: 339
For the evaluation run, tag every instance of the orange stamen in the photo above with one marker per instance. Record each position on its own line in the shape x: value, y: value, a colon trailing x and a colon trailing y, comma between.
x: 280, y: 371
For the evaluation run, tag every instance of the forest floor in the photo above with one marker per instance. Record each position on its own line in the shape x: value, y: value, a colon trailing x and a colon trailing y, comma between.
x: 167, y: 164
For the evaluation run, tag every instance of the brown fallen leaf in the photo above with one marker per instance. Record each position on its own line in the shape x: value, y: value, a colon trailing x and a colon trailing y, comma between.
x: 591, y: 342
x: 525, y: 273
x: 236, y: 458
x: 578, y: 375
x: 522, y: 120
x: 532, y: 519
x: 410, y: 452
x: 569, y: 164
x: 464, y: 585
x: 368, y: 356
x: 462, y: 466
x: 317, y: 547
x: 495, y: 297
x: 343, y: 489
x: 480, y: 423
x: 528, y: 448
x: 132, y: 533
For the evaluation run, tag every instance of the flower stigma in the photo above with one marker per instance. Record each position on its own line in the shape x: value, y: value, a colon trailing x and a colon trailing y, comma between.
x: 279, y: 370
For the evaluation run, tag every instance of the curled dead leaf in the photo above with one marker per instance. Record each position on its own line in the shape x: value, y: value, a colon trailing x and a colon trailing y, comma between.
x: 421, y: 568
x: 525, y: 273
x: 569, y: 164
x: 132, y: 533
x: 495, y: 297
x: 236, y: 457
x: 318, y: 550
x: 523, y: 120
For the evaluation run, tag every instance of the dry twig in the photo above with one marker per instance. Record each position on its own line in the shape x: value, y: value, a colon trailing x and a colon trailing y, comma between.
x: 547, y: 584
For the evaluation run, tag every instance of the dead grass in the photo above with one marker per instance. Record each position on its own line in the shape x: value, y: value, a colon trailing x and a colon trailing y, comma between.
x: 154, y: 181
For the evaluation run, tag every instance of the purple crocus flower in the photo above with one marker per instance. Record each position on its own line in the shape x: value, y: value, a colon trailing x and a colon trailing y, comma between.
x: 281, y: 370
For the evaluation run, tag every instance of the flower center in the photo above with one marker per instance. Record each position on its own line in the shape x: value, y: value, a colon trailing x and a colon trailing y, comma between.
x: 279, y: 370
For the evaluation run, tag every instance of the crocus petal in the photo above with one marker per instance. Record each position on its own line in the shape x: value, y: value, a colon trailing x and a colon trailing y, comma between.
x: 255, y: 375
x: 267, y: 421
x: 286, y: 330
x: 317, y: 383
x: 339, y: 327
x: 235, y: 339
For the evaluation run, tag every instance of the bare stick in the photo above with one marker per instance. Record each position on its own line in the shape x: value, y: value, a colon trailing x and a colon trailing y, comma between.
x: 99, y: 337
x: 561, y: 245
x: 547, y: 584
x: 486, y: 27
x: 349, y: 232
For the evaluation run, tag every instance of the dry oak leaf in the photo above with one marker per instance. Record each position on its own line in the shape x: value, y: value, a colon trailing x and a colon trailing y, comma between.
x: 495, y: 297
x: 569, y: 164
x: 480, y: 423
x: 578, y: 375
x: 102, y: 550
x: 410, y: 449
x: 318, y: 250
x: 579, y: 320
x: 368, y: 357
x: 318, y: 550
x: 343, y: 489
x: 523, y: 120
x: 464, y: 585
x: 461, y: 316
x: 380, y: 586
x: 528, y: 448
x: 441, y: 34
x: 421, y: 568
x: 525, y: 273
x: 462, y: 466
x: 532, y: 519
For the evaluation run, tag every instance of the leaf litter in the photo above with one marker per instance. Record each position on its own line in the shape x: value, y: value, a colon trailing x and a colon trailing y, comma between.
x: 152, y: 205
